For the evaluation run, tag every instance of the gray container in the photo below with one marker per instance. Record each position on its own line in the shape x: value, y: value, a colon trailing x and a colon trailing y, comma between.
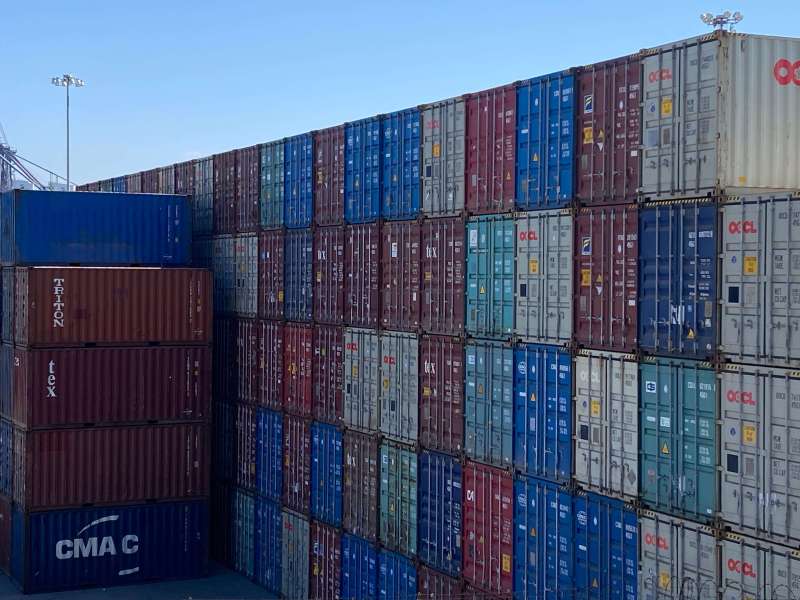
x: 543, y: 299
x: 399, y: 393
x: 444, y: 127
x: 203, y: 198
x: 677, y: 559
x: 760, y: 447
x: 754, y: 568
x: 246, y: 295
x: 223, y: 261
x: 294, y: 574
x: 398, y: 499
x: 362, y: 361
x: 607, y: 423
x: 166, y: 180
x: 760, y: 317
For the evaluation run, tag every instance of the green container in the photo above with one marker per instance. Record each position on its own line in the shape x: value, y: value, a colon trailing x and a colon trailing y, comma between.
x: 271, y: 197
x: 398, y: 502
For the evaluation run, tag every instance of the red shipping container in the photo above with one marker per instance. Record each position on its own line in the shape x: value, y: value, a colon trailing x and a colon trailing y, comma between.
x: 248, y: 179
x: 400, y: 275
x: 248, y: 361
x: 226, y: 193
x: 110, y: 465
x: 271, y: 364
x: 443, y: 276
x: 326, y: 562
x: 62, y: 306
x: 5, y: 534
x: 360, y: 487
x: 362, y: 281
x: 184, y: 178
x: 296, y: 463
x: 491, y: 150
x: 149, y: 181
x: 77, y: 386
x: 329, y: 176
x: 488, y: 528
x: 270, y: 274
x: 226, y: 372
x: 609, y: 131
x: 328, y: 373
x: 606, y: 276
x: 245, y: 465
x: 441, y: 402
x: 433, y: 585
x: 329, y: 275
x: 133, y: 183
x: 298, y: 344
x: 473, y: 593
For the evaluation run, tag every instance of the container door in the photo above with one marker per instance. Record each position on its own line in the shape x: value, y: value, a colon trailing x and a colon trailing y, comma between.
x: 361, y: 379
x: 443, y: 158
x: 399, y: 391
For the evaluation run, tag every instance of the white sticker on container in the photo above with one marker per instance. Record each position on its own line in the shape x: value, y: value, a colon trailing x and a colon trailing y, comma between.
x: 650, y: 387
x: 470, y: 359
x: 394, y: 249
x: 664, y: 422
x: 473, y: 238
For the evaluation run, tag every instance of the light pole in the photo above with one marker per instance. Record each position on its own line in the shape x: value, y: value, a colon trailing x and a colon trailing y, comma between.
x: 66, y: 81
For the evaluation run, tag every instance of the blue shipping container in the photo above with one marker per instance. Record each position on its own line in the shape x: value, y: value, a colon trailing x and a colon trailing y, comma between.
x: 269, y: 454
x: 326, y: 474
x: 6, y: 458
x: 400, y: 164
x: 362, y: 171
x: 397, y: 577
x: 298, y: 182
x: 119, y: 185
x: 545, y: 141
x: 85, y: 228
x: 678, y: 279
x: 440, y: 510
x: 119, y: 545
x: 268, y: 545
x: 6, y: 361
x: 543, y: 411
x: 359, y: 569
x: 244, y: 532
x: 298, y: 275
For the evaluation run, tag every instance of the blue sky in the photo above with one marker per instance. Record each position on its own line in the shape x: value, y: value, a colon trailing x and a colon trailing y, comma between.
x: 172, y: 80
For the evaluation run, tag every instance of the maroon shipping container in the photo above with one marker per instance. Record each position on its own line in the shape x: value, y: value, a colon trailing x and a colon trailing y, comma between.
x: 606, y: 274
x: 226, y: 192
x: 441, y: 401
x: 133, y: 183
x: 329, y: 275
x: 63, y: 306
x: 226, y: 372
x: 248, y: 360
x: 488, y: 528
x: 245, y: 456
x: 443, y: 276
x: 326, y: 562
x: 270, y: 339
x: 184, y: 177
x: 270, y: 274
x: 248, y: 179
x: 78, y: 386
x: 329, y: 176
x: 609, y: 97
x: 473, y: 593
x: 362, y: 251
x: 328, y: 373
x: 296, y: 463
x: 298, y: 348
x: 149, y: 181
x: 433, y: 585
x: 400, y: 275
x: 491, y: 150
x: 361, y: 474
x: 5, y: 534
x: 110, y: 465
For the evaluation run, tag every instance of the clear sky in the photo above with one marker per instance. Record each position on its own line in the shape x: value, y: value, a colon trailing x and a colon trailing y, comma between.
x: 172, y: 80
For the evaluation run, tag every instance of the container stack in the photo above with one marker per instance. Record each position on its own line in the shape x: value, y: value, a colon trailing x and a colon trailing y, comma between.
x: 104, y: 391
x: 535, y: 340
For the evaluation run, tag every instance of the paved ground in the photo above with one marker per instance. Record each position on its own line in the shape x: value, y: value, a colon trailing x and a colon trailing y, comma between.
x: 222, y: 584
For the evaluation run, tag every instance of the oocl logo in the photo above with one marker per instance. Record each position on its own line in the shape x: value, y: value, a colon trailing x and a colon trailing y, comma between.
x: 737, y: 397
x: 351, y: 347
x: 389, y: 360
x: 528, y: 235
x: 786, y: 71
x: 659, y: 75
x: 742, y: 567
x: 742, y: 227
x: 656, y: 540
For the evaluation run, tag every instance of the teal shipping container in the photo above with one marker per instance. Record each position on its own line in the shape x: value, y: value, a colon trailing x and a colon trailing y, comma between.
x: 296, y: 546
x: 398, y: 499
x: 244, y: 532
x: 271, y: 193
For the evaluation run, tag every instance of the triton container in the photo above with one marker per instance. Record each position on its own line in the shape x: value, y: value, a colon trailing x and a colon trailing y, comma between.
x: 361, y: 473
x: 329, y: 176
x: 359, y: 568
x: 440, y: 512
x: 399, y: 391
x: 329, y: 275
x: 444, y: 130
x: 326, y: 474
x: 443, y: 272
x: 271, y: 274
x: 400, y: 182
x: 271, y: 192
x: 298, y: 199
x: 401, y: 264
x: 398, y: 498
x: 362, y: 174
x: 298, y: 275
x: 362, y: 363
x: 441, y: 400
x: 362, y: 263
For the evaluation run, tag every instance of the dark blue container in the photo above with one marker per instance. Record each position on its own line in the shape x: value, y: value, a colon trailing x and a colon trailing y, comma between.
x: 119, y: 185
x: 397, y: 577
x: 86, y: 228
x: 6, y: 379
x: 543, y: 411
x: 678, y: 279
x: 545, y: 141
x: 120, y: 545
x: 359, y: 569
x: 269, y: 545
x: 362, y: 171
x: 6, y: 458
x: 269, y: 454
x: 326, y: 474
x: 298, y: 182
x: 298, y: 278
x: 400, y: 181
x: 440, y: 512
x: 223, y: 459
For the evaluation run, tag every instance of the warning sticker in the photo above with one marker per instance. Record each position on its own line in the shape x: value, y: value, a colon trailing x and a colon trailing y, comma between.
x: 507, y: 563
x: 664, y: 580
x: 319, y: 276
x: 666, y: 107
x: 586, y: 246
x: 665, y: 448
x: 750, y: 265
x: 586, y: 277
x: 426, y: 391
x: 588, y: 135
x: 749, y: 434
x: 280, y: 296
x: 436, y: 150
x: 588, y: 104
x: 533, y: 265
x: 595, y: 408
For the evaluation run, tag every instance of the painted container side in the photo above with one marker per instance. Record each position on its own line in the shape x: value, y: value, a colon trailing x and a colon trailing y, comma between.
x: 326, y: 562
x: 328, y: 372
x: 246, y: 446
x: 360, y: 474
x: 400, y: 176
x: 226, y: 192
x: 203, y: 196
x: 270, y: 339
x: 184, y: 179
x: 443, y: 255
x: 362, y: 264
x: 444, y: 130
x: 245, y: 248
x: 326, y: 474
x: 271, y: 184
x: 432, y: 584
x: 296, y: 463
x: 296, y: 545
x: 362, y: 179
x: 269, y: 454
x: 329, y: 275
x: 133, y: 184
x: 271, y: 274
x: 298, y: 183
x: 329, y: 164
x: 398, y: 498
x: 362, y: 364
x: 166, y: 180
x: 6, y: 459
x: 244, y: 534
x: 223, y: 266
x: 441, y: 400
x: 397, y: 577
x: 399, y: 391
x: 359, y: 569
x: 440, y: 512
x: 757, y: 569
x: 298, y: 382
x: 401, y: 265
x: 248, y: 178
x: 268, y: 564
x: 298, y: 275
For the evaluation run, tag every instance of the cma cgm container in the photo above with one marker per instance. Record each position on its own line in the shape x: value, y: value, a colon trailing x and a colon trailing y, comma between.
x: 399, y: 390
x: 490, y: 276
x: 298, y: 275
x: 441, y: 400
x: 678, y: 432
x: 119, y: 545
x: 271, y: 274
x: 203, y: 196
x: 400, y: 181
x: 360, y: 485
x: 545, y: 141
x: 326, y: 562
x: 268, y: 544
x: 245, y: 248
x: 362, y: 256
x: 243, y: 516
x: 46, y: 228
x: 443, y: 273
x: 440, y: 512
x: 64, y: 306
x: 362, y: 363
x: 400, y: 275
x: 226, y: 193
x: 727, y: 82
x: 491, y: 150
x: 432, y: 584
x: 169, y: 462
x: 298, y: 344
x: 329, y: 275
x: 754, y: 568
x: 329, y: 176
x: 359, y: 569
x: 444, y: 131
x: 678, y: 278
x: 269, y: 454
x: 248, y: 178
x: 326, y: 474
x: 298, y: 182
x: 296, y: 463
x: 271, y: 193
x: 328, y: 372
x: 397, y: 577
x: 295, y: 547
x: 398, y: 498
x: 362, y: 179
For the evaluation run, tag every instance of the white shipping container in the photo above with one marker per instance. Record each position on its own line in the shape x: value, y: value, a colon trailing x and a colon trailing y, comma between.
x: 757, y: 569
x: 444, y: 127
x: 399, y: 373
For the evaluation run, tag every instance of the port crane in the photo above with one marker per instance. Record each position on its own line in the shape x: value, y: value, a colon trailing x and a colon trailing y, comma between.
x: 11, y: 164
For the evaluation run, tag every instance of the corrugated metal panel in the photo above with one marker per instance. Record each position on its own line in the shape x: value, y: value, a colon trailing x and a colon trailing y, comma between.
x: 7, y: 381
x: 489, y: 407
x: 298, y: 275
x: 46, y: 228
x: 246, y: 295
x: 203, y: 199
x: 326, y: 562
x: 362, y: 252
x: 246, y: 446
x: 329, y: 176
x: 133, y: 183
x: 224, y: 271
x: 118, y: 186
x: 271, y: 274
x: 298, y: 383
x: 184, y: 178
x: 400, y: 164
x: 5, y: 534
x: 362, y: 362
x: 226, y: 192
x: 443, y: 276
x: 432, y: 585
x: 270, y: 339
x: 754, y: 568
x: 8, y: 298
x: 269, y: 454
x: 607, y: 423
x: 440, y: 517
x: 249, y: 342
x: 360, y: 487
x: 271, y: 193
x: 362, y: 175
x: 326, y: 474
x: 398, y: 498
x: 268, y: 545
x: 543, y: 411
x: 397, y: 577
x: 677, y: 424
x: 359, y: 569
x: 60, y: 550
x: 329, y: 275
x: 298, y: 182
x: 248, y: 179
x: 490, y: 276
x: 6, y: 458
x: 444, y: 126
x: 400, y: 275
x: 677, y: 279
x: 545, y: 141
x: 399, y: 392
x: 243, y: 524
x: 441, y: 400
x: 296, y: 463
x: 328, y: 373
x: 223, y: 450
x: 166, y: 180
x: 295, y: 557
x: 106, y: 185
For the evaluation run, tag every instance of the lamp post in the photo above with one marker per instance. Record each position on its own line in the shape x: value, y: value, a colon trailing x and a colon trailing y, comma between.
x: 66, y: 81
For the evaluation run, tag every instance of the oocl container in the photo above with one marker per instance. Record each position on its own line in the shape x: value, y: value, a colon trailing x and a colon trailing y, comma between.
x: 246, y: 446
x: 298, y: 152
x: 361, y: 473
x: 400, y: 182
x: 362, y: 364
x: 269, y: 454
x: 296, y: 463
x: 328, y: 372
x: 245, y: 248
x: 326, y: 474
x: 271, y: 274
x: 398, y: 498
x: 226, y: 192
x: 362, y: 178
x: 329, y: 176
x: 441, y: 400
x: 399, y: 391
x: 271, y: 193
x: 298, y: 275
x: 244, y: 535
x: 359, y: 569
x: 397, y: 577
x: 443, y: 273
x: 326, y: 562
x: 298, y: 343
x: 203, y: 197
x: 294, y: 574
x: 268, y: 544
x: 444, y: 129
x: 362, y: 253
x: 755, y: 568
x: 440, y: 512
x: 248, y: 177
x: 400, y: 275
x: 329, y: 275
